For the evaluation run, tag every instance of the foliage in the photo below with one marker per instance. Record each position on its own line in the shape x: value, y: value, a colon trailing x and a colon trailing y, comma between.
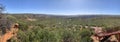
x: 59, y: 29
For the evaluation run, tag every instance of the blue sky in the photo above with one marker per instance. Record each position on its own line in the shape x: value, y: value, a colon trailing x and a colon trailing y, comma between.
x: 63, y: 7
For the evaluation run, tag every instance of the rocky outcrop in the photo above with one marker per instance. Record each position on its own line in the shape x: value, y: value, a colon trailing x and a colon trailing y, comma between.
x: 101, y: 36
x: 9, y: 33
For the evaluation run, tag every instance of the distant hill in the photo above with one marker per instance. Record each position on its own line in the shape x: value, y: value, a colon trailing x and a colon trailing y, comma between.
x: 64, y: 16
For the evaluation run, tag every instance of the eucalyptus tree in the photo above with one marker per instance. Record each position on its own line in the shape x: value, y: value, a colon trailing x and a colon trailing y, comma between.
x: 4, y: 22
x: 2, y: 8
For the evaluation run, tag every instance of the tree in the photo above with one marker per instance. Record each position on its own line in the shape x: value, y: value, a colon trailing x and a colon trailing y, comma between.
x: 4, y: 22
x: 2, y: 8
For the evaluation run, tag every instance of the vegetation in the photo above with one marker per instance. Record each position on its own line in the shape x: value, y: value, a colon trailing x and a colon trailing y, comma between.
x: 49, y: 28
